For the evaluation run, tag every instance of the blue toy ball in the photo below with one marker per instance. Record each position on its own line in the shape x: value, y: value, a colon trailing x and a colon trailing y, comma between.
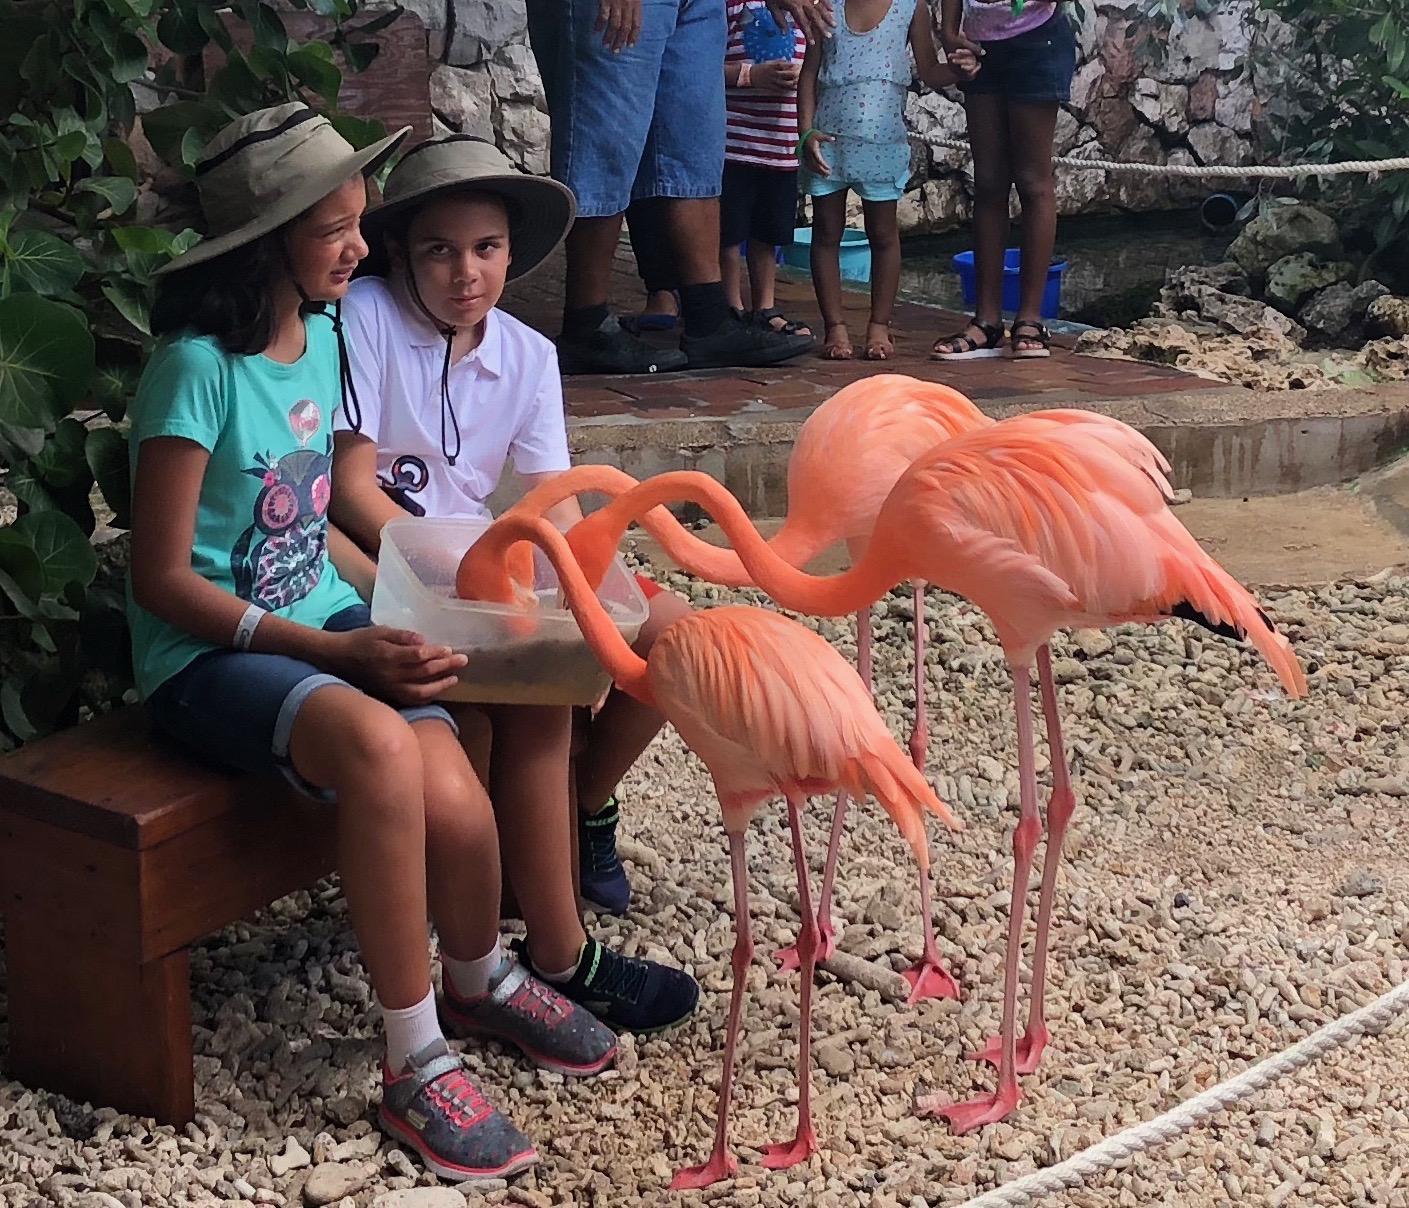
x: 764, y: 42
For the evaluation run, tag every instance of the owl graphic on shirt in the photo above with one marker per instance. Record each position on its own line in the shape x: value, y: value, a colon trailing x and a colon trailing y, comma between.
x: 278, y: 560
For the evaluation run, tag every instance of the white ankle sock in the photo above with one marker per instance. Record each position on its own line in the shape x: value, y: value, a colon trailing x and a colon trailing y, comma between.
x: 470, y: 979
x: 566, y: 974
x: 409, y: 1030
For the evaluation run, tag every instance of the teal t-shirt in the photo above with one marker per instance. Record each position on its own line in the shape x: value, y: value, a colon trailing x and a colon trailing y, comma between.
x: 262, y: 520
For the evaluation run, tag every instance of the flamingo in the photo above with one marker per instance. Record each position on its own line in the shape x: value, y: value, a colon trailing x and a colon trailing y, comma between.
x: 772, y: 710
x: 1044, y: 525
x: 883, y: 423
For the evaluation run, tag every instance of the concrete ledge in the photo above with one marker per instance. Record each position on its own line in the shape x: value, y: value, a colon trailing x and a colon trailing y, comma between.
x: 1222, y: 443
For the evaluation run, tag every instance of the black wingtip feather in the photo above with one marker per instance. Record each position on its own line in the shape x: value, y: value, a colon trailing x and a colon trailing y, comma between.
x: 1187, y: 612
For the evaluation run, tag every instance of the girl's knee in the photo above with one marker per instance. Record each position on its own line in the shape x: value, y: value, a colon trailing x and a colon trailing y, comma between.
x: 1034, y: 188
x: 666, y: 609
x: 992, y: 190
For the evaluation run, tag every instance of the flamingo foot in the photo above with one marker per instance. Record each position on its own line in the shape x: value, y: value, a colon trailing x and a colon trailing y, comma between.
x: 790, y: 1153
x: 788, y: 959
x: 692, y: 1178
x: 929, y: 979
x: 1031, y: 1045
x: 986, y: 1109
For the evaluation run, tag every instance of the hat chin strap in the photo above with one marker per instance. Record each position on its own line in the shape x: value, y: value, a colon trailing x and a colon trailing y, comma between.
x: 447, y: 330
x: 351, y: 406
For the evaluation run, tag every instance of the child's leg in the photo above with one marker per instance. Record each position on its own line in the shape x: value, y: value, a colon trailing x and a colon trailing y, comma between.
x: 528, y: 783
x: 883, y: 234
x: 1031, y: 128
x: 828, y: 223
x: 763, y: 274
x: 623, y: 727
x: 993, y: 184
x: 731, y: 274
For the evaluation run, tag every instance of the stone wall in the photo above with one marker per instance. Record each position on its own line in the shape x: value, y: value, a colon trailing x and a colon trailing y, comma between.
x: 1193, y: 106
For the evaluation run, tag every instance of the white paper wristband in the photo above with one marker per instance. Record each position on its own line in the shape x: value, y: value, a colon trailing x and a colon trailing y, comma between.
x: 244, y: 631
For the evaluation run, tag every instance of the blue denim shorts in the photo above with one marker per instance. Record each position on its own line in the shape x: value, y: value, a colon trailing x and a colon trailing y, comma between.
x: 1036, y: 66
x: 647, y: 121
x: 236, y: 709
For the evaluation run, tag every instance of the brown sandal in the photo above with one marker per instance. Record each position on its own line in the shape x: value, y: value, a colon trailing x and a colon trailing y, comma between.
x: 1030, y: 331
x: 836, y: 350
x: 963, y: 347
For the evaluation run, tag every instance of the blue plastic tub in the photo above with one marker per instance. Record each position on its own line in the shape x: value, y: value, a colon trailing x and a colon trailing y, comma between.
x: 855, y: 253
x: 1012, y: 261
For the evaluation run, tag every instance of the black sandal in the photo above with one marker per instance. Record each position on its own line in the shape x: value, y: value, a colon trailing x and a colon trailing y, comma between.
x: 764, y: 318
x: 1030, y: 331
x: 966, y: 348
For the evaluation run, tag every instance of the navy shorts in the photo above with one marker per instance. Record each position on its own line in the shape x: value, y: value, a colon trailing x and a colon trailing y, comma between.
x: 1036, y: 66
x: 757, y: 203
x: 645, y: 121
x: 236, y: 709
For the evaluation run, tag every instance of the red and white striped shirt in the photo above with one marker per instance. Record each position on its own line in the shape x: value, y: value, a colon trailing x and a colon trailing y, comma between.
x: 760, y: 127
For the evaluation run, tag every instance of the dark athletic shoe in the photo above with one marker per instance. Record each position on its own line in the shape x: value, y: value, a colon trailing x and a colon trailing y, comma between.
x: 435, y: 1109
x: 628, y: 994
x: 601, y: 878
x: 554, y: 1032
x: 613, y: 349
x: 736, y: 344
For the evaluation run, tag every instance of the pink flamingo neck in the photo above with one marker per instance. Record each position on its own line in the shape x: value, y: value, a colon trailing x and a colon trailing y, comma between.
x: 832, y: 595
x: 624, y: 665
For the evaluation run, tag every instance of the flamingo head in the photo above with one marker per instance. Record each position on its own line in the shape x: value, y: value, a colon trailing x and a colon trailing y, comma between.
x: 499, y: 574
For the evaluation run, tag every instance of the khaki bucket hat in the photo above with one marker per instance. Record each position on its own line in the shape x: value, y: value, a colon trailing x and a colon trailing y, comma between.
x: 541, y: 210
x: 267, y: 168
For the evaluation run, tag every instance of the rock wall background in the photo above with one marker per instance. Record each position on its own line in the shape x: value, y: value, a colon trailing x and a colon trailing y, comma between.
x: 1194, y: 106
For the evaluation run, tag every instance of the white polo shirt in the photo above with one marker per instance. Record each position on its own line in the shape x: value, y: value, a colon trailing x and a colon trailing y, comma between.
x: 507, y: 395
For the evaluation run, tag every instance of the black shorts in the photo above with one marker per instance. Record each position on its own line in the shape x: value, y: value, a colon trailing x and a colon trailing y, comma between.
x: 1036, y: 66
x: 757, y: 203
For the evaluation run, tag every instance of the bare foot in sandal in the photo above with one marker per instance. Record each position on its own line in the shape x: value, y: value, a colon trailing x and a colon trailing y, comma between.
x: 836, y: 344
x: 1030, y: 339
x: 879, y: 345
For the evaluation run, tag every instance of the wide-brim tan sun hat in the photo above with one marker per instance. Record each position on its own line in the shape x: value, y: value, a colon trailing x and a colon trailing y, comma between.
x: 267, y: 168
x: 540, y: 213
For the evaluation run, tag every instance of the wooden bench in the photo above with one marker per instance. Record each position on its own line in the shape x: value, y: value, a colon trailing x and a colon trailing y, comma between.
x: 116, y: 853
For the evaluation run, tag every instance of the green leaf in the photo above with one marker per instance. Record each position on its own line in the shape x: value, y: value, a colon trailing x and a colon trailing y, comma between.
x: 120, y: 158
x: 44, y: 262
x: 113, y: 386
x: 192, y: 144
x: 18, y: 443
x: 20, y: 565
x: 379, y: 23
x: 106, y: 451
x: 65, y: 554
x: 360, y: 132
x: 24, y: 483
x: 129, y: 303
x: 268, y: 28
x: 61, y: 462
x: 317, y: 73
x: 118, y: 191
x: 12, y: 710
x: 129, y: 58
x: 180, y: 30
x: 167, y: 126
x: 361, y: 55
x: 46, y: 359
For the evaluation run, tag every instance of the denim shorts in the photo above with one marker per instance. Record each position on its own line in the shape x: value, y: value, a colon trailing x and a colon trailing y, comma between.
x: 647, y: 121
x: 1036, y: 66
x: 236, y: 709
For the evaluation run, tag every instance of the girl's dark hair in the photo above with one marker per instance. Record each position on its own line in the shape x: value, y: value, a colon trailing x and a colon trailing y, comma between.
x: 397, y: 228
x: 230, y: 297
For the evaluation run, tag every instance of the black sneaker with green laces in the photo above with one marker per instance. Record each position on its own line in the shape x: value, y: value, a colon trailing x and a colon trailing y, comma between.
x: 626, y: 993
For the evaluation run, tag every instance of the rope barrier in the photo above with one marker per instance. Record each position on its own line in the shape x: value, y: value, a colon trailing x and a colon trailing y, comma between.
x: 1114, y: 1150
x: 1258, y: 172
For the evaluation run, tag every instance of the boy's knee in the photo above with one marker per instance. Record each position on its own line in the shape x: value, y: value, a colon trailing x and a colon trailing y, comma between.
x: 666, y: 609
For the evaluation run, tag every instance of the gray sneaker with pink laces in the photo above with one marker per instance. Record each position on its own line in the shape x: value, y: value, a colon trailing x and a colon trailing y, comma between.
x: 554, y: 1032
x: 434, y: 1108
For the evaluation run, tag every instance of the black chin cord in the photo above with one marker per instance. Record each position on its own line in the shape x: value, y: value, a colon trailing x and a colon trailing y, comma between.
x: 351, y: 406
x: 447, y: 408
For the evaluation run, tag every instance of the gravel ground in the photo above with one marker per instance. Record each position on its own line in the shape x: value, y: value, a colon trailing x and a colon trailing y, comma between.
x: 1235, y: 878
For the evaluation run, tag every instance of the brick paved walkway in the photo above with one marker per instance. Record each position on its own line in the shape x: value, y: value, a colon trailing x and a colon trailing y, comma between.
x: 1063, y: 380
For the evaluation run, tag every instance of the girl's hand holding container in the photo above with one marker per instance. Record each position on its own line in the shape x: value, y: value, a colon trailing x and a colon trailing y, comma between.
x: 394, y: 664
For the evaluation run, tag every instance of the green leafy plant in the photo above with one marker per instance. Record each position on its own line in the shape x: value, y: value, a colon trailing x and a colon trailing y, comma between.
x: 78, y: 250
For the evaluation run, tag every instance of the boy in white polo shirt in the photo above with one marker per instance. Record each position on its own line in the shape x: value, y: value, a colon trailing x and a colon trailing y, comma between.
x: 449, y: 388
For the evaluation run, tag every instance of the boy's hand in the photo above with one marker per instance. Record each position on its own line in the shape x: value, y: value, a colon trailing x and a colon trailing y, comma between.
x: 814, y: 17
x: 394, y: 663
x: 965, y: 62
x: 619, y: 22
x: 779, y: 76
x: 812, y: 152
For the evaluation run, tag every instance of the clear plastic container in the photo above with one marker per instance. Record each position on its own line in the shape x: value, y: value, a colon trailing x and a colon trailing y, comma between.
x: 415, y: 589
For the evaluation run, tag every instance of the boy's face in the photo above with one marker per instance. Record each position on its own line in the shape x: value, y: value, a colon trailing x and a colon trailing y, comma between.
x: 459, y: 247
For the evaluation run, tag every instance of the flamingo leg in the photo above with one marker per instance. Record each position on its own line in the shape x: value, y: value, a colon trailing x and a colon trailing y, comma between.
x: 721, y: 1164
x: 986, y: 1109
x: 1060, y: 807
x: 928, y: 977
x: 804, y: 1144
x: 863, y: 646
x: 920, y: 734
x: 788, y: 958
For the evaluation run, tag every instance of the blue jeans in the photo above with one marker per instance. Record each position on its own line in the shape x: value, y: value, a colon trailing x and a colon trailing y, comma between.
x: 647, y: 121
x: 236, y: 708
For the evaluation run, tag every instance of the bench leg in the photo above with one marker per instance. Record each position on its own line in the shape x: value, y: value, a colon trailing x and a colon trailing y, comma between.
x: 91, y: 1026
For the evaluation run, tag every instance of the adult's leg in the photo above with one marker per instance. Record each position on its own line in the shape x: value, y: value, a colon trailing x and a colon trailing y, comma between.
x: 1031, y: 128
x: 650, y: 243
x: 883, y: 234
x: 528, y: 783
x: 828, y: 223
